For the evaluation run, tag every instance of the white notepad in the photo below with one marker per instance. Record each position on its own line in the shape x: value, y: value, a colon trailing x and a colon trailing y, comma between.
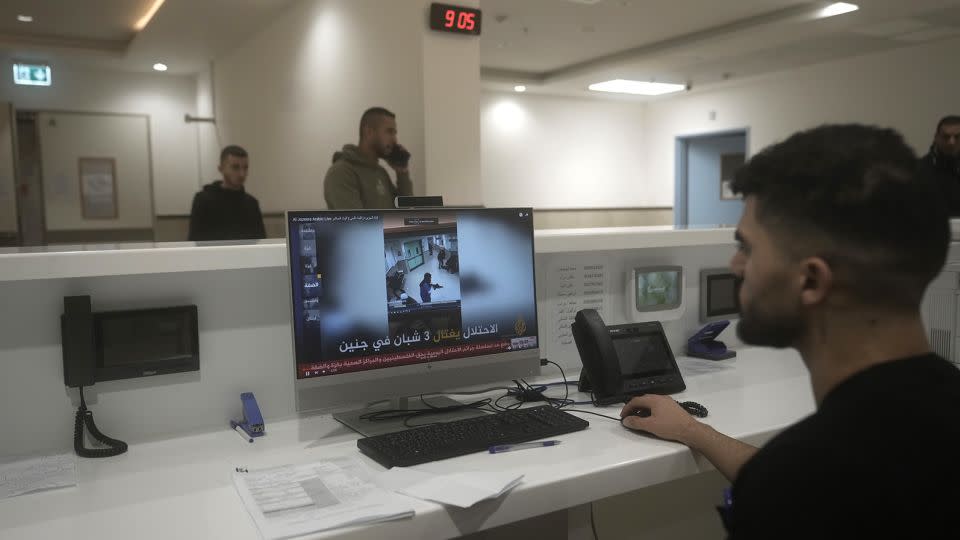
x: 37, y: 474
x: 294, y: 500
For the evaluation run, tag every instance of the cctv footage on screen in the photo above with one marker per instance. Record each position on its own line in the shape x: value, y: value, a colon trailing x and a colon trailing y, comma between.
x: 391, y: 288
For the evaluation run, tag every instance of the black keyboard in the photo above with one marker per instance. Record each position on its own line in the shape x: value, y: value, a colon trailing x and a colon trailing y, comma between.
x: 451, y: 439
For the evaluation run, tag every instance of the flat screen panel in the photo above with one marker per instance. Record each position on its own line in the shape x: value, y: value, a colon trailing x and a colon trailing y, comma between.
x: 390, y: 288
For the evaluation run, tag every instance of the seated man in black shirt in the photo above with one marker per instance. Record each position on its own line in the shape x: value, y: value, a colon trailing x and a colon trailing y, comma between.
x: 223, y: 210
x: 837, y: 244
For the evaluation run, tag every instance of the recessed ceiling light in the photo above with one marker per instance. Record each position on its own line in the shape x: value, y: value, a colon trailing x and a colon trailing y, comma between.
x: 838, y: 8
x: 25, y: 18
x: 642, y: 88
x: 159, y: 67
x: 519, y: 88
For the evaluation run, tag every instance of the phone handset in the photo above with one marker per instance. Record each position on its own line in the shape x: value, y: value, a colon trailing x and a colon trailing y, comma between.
x: 79, y: 370
x: 601, y: 367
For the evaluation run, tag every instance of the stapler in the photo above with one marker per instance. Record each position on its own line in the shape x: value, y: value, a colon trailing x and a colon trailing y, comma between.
x: 704, y: 343
x: 252, y: 422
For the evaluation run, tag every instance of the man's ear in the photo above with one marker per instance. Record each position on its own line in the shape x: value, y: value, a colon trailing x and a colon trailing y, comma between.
x: 818, y: 279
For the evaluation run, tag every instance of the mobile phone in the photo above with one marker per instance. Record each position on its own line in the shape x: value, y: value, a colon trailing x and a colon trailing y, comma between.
x: 399, y: 156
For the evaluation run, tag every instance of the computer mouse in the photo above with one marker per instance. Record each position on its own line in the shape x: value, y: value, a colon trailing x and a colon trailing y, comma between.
x: 642, y: 412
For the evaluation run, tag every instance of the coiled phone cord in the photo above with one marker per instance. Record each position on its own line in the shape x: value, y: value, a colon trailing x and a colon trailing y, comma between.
x: 114, y: 447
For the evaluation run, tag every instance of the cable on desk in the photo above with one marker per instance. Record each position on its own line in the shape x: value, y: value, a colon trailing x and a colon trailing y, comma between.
x: 408, y: 415
x: 615, y: 419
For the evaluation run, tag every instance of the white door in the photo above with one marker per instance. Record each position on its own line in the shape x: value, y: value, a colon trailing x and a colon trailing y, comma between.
x: 96, y: 173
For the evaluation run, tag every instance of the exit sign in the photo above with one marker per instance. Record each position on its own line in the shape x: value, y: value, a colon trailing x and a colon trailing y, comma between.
x: 31, y: 74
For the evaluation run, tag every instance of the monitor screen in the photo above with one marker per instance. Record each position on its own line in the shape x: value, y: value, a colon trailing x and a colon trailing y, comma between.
x: 386, y: 288
x: 718, y: 295
x: 722, y: 295
x: 658, y: 288
x: 643, y: 355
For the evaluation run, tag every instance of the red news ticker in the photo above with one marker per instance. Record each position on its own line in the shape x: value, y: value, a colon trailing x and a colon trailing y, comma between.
x: 362, y: 363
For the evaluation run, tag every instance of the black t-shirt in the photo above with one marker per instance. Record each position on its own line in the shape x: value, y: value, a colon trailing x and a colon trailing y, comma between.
x: 879, y: 459
x: 225, y: 214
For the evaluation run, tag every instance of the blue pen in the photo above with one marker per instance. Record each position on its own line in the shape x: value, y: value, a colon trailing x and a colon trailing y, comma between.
x: 511, y: 447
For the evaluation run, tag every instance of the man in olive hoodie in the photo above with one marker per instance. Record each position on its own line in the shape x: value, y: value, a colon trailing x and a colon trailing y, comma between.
x: 356, y: 179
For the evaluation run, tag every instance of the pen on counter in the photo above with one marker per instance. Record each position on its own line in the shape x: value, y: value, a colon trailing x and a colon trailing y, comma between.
x: 511, y: 447
x: 242, y: 433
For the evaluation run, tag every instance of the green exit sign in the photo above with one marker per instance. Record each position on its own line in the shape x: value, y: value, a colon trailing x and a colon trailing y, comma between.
x: 31, y: 74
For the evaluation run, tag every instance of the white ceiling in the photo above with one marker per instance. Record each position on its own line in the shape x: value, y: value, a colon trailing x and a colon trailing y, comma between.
x: 551, y: 46
x: 561, y: 46
x: 88, y: 24
x: 184, y: 34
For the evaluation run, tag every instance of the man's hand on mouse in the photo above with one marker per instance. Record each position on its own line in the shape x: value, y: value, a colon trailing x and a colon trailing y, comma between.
x: 667, y: 419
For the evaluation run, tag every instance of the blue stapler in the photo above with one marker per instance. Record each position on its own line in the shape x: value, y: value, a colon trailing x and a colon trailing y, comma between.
x: 252, y: 422
x: 704, y: 343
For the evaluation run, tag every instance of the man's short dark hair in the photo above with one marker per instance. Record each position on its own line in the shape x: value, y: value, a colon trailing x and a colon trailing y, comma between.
x: 372, y: 116
x: 951, y: 120
x: 851, y: 195
x: 232, y: 150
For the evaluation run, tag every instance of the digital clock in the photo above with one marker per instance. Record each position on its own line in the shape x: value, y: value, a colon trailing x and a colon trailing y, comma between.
x: 456, y: 19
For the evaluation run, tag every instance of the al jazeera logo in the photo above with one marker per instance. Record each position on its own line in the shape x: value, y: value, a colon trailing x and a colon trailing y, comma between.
x: 520, y: 327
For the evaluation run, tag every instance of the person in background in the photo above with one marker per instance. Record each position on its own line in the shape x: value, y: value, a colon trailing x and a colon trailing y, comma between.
x: 942, y: 163
x: 427, y: 286
x: 838, y: 241
x: 356, y: 179
x: 223, y: 210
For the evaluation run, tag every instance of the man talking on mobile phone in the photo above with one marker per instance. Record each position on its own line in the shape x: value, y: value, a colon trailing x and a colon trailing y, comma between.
x: 356, y: 179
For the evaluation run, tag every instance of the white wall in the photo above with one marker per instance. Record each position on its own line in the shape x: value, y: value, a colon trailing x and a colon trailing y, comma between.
x: 294, y: 93
x: 554, y: 152
x: 208, y: 143
x: 451, y: 97
x: 166, y: 98
x: 908, y: 89
x: 65, y: 138
x: 8, y: 198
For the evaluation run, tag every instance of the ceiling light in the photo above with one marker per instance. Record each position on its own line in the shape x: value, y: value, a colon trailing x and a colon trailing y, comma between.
x: 25, y: 18
x: 643, y: 88
x: 143, y: 21
x: 159, y: 67
x: 519, y: 88
x: 838, y: 8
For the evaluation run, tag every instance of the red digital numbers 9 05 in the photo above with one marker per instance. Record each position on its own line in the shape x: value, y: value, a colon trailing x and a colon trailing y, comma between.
x: 456, y: 19
x: 460, y: 20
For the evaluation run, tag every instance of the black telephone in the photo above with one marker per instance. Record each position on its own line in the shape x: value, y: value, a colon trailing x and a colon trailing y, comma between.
x: 79, y: 370
x: 624, y: 360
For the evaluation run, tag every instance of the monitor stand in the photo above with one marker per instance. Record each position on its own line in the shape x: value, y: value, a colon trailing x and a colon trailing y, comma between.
x: 369, y: 428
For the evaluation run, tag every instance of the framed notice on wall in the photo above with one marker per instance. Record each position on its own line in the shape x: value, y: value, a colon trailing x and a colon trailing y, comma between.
x: 98, y: 188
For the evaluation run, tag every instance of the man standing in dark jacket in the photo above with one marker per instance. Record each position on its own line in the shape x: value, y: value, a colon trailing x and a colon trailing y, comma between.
x: 223, y: 210
x: 942, y: 163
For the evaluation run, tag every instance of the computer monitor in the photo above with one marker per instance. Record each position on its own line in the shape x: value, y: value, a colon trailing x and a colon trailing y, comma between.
x: 393, y: 303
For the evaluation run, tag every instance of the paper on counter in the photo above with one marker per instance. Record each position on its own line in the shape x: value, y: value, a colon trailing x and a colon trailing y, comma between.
x: 458, y: 489
x: 295, y: 500
x: 37, y: 474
